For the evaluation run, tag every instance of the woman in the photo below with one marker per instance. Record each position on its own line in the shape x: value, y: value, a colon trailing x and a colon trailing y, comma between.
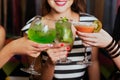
x: 2, y: 36
x: 103, y: 40
x: 71, y: 9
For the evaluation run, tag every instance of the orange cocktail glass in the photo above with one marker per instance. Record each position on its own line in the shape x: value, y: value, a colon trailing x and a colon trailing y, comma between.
x: 85, y: 27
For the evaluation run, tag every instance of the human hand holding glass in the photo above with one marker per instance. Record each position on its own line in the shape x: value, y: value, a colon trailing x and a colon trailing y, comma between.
x: 57, y: 52
x: 40, y: 33
x: 87, y: 27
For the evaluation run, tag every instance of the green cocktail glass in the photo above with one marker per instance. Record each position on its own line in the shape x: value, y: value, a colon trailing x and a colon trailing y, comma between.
x: 41, y: 33
x: 65, y: 35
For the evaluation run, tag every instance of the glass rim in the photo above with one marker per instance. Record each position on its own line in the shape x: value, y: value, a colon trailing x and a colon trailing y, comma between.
x: 83, y: 23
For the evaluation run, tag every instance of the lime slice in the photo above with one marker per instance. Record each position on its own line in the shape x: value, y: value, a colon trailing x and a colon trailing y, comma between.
x: 98, y: 25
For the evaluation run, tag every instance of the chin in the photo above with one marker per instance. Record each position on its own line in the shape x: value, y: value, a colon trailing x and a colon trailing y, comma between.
x: 61, y: 10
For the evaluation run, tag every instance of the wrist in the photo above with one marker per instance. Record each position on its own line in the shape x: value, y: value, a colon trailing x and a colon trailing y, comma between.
x: 9, y: 48
x: 109, y: 44
x: 7, y: 51
x: 113, y: 49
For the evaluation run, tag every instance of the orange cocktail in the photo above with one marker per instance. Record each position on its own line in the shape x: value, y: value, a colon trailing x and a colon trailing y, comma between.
x: 84, y: 27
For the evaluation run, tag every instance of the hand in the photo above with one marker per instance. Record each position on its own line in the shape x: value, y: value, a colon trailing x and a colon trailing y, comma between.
x: 57, y: 52
x: 100, y: 39
x: 23, y: 46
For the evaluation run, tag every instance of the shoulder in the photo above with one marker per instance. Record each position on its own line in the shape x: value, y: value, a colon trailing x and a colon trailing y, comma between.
x: 87, y: 17
x: 2, y: 36
x: 2, y: 30
x: 27, y: 25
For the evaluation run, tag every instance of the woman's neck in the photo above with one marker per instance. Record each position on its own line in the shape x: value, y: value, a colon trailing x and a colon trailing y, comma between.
x: 68, y: 14
x: 56, y: 15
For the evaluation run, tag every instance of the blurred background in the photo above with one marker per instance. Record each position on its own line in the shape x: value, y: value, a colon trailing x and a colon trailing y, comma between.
x: 15, y: 13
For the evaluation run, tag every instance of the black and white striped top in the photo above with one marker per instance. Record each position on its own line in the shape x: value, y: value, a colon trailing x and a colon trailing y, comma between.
x: 74, y: 71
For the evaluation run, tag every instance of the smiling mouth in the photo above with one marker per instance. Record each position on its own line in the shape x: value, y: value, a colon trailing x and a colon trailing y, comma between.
x: 60, y: 3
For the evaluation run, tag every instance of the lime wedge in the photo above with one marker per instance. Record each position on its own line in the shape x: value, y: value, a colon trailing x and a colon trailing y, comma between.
x: 98, y: 25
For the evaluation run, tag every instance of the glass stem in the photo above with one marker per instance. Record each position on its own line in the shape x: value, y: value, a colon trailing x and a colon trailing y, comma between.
x: 32, y: 64
x: 31, y: 77
x: 86, y: 59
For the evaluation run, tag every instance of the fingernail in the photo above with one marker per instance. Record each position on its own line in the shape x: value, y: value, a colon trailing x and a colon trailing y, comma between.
x: 67, y: 54
x: 76, y: 32
x: 50, y: 45
x: 68, y: 48
x: 62, y: 44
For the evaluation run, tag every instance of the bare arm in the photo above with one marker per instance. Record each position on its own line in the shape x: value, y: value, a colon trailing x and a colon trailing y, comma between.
x: 5, y: 55
x: 21, y: 46
x: 93, y: 69
x: 47, y: 71
x: 117, y: 61
x: 2, y: 37
x: 114, y: 51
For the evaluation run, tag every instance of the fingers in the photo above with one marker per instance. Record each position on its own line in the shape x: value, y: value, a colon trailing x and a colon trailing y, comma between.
x: 45, y: 45
x: 58, y: 45
x: 88, y: 39
x: 34, y: 54
x: 58, y: 56
x: 40, y: 47
x: 84, y: 34
x: 55, y: 50
x: 85, y: 44
x: 89, y: 43
x: 91, y: 37
x: 34, y: 44
x: 57, y: 53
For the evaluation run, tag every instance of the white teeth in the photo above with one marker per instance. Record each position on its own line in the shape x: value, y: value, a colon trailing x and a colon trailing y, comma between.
x: 60, y: 2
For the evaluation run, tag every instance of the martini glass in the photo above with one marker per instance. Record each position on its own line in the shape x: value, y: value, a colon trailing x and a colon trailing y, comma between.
x: 40, y: 33
x: 64, y: 35
x: 87, y: 27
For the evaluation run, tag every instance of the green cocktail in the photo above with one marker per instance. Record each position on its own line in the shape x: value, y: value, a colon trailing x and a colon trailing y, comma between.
x: 65, y: 35
x: 63, y: 31
x: 41, y: 33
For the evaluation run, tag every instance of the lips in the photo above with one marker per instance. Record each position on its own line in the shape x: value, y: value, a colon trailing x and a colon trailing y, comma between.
x: 60, y: 2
